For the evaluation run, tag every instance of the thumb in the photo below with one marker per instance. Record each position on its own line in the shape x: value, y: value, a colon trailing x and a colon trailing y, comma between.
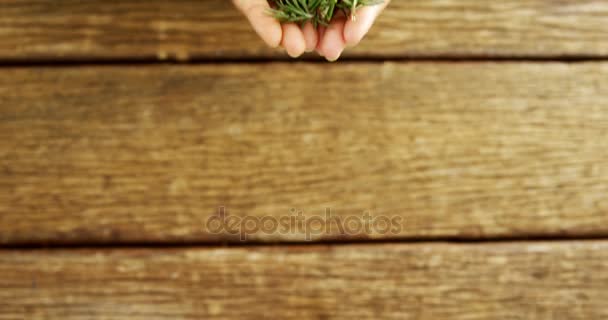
x: 356, y: 28
x: 268, y: 28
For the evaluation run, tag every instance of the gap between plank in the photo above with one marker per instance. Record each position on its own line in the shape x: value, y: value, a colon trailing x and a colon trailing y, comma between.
x: 77, y: 62
x: 203, y: 244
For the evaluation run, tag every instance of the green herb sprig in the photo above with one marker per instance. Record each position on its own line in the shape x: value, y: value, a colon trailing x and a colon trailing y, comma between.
x: 319, y: 12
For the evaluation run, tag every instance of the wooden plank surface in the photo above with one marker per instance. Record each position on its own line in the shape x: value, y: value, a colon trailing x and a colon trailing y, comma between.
x: 131, y: 154
x: 420, y: 281
x: 49, y: 30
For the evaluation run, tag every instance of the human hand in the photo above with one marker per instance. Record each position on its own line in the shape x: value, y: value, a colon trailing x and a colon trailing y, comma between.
x: 329, y: 41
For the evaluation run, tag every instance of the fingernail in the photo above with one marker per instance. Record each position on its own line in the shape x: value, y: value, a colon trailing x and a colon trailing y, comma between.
x: 332, y: 59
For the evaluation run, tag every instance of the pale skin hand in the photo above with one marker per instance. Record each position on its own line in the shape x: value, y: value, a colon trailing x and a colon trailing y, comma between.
x: 328, y: 41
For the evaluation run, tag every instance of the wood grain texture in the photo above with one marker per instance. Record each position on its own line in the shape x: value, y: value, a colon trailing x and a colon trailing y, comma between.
x: 149, y: 153
x: 50, y: 30
x: 420, y: 281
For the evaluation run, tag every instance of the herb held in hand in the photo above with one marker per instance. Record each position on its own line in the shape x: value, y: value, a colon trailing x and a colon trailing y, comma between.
x: 319, y: 12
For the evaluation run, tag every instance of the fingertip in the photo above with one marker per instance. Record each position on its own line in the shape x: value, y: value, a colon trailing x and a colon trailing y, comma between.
x: 293, y: 40
x: 356, y: 28
x: 332, y: 45
x: 271, y: 32
x: 321, y: 36
x: 267, y: 27
x: 352, y: 34
x: 274, y: 36
x: 311, y: 36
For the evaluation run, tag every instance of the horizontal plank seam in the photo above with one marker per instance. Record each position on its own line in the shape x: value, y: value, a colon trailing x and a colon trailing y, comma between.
x: 262, y: 60
x: 202, y: 244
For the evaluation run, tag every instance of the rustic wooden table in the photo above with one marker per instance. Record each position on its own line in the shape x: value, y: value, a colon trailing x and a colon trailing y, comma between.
x: 482, y: 127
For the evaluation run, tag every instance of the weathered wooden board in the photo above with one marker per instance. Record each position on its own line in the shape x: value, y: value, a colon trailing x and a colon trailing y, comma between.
x: 430, y: 281
x: 133, y: 154
x: 50, y: 30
